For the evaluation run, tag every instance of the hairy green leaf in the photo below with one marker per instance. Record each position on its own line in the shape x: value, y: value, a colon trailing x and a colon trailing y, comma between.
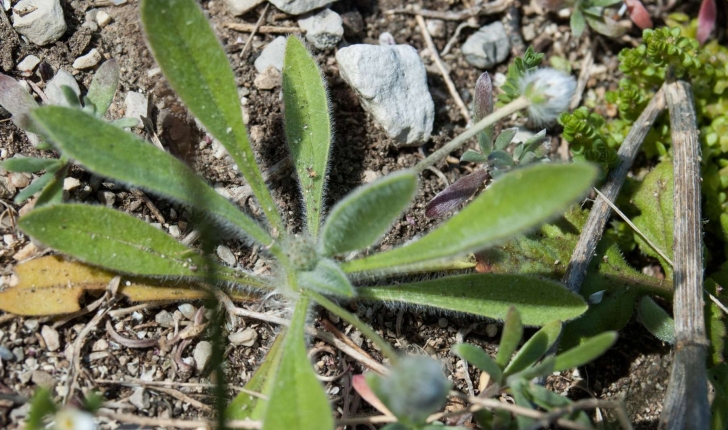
x: 195, y: 65
x: 297, y: 400
x: 327, y: 278
x: 577, y: 22
x: 114, y: 153
x: 586, y: 352
x: 480, y: 359
x: 37, y: 184
x: 505, y: 137
x: 656, y: 320
x: 549, y: 400
x: 308, y: 126
x: 29, y: 164
x: 654, y: 200
x: 363, y: 216
x: 103, y: 86
x: 510, y: 338
x: 53, y: 192
x: 520, y: 200
x: 246, y: 406
x: 537, y: 300
x: 473, y: 157
x: 108, y: 238
x: 535, y: 347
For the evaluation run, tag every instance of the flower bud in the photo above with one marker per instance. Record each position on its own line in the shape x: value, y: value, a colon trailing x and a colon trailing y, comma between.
x: 549, y: 92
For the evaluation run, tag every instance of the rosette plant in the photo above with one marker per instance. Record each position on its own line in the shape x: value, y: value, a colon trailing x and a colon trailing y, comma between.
x: 310, y: 266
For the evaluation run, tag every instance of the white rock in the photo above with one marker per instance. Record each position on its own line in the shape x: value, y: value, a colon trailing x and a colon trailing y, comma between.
x: 202, y: 354
x: 53, y: 89
x: 436, y: 28
x: 226, y: 255
x: 89, y: 60
x: 71, y: 184
x: 28, y: 64
x: 240, y: 7
x: 50, y: 336
x: 324, y: 30
x: 245, y: 337
x: 103, y: 18
x: 392, y: 85
x: 107, y: 198
x: 298, y: 7
x: 174, y: 231
x: 272, y: 55
x: 136, y: 105
x: 187, y: 310
x: 488, y: 46
x: 41, y: 21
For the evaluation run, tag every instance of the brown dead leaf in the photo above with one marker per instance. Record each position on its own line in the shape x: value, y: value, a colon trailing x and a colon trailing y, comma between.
x: 52, y: 285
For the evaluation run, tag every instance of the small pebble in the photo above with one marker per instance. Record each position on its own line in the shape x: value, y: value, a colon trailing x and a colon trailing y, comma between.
x: 226, y: 255
x: 100, y: 345
x: 139, y: 398
x: 164, y: 319
x: 174, y: 231
x: 6, y: 354
x: 137, y: 105
x: 31, y: 324
x: 28, y: 64
x: 202, y: 353
x: 71, y: 184
x: 106, y: 198
x: 269, y: 79
x: 103, y: 18
x: 50, y: 336
x: 246, y: 337
x: 19, y: 180
x: 436, y: 28
x: 87, y: 61
x: 491, y: 330
x: 272, y: 55
x: 43, y: 379
x: 187, y: 310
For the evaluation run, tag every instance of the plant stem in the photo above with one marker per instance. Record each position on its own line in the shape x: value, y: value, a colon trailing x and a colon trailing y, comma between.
x: 686, y: 403
x: 352, y: 319
x: 516, y: 105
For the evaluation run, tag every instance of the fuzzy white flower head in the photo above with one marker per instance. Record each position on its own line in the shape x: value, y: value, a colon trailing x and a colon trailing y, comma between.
x: 74, y: 419
x: 549, y: 92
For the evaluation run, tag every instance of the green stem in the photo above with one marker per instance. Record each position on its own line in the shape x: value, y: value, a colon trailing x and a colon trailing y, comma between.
x: 352, y: 319
x: 516, y: 105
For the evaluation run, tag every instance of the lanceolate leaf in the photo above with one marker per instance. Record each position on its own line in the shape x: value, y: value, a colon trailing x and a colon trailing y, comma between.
x: 538, y: 301
x: 297, y: 400
x: 586, y: 352
x: 308, y: 127
x: 363, y: 216
x: 535, y: 347
x: 511, y: 337
x: 117, y: 241
x: 518, y: 201
x: 196, y: 67
x: 103, y: 86
x: 480, y: 359
x: 577, y: 22
x: 38, y: 184
x: 14, y: 98
x: 29, y: 164
x: 114, y: 153
x: 246, y: 406
x: 482, y: 107
x: 656, y: 320
x: 53, y: 192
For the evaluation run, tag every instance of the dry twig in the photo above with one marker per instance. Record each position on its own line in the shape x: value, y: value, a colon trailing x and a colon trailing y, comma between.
x: 491, y: 8
x: 255, y: 30
x: 263, y: 29
x: 592, y: 231
x: 686, y: 403
x: 441, y: 67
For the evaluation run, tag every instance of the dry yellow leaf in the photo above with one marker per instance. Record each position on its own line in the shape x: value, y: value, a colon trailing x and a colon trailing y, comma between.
x: 53, y: 285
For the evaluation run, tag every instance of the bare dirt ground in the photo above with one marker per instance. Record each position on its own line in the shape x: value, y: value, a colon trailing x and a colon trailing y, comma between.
x: 636, y: 369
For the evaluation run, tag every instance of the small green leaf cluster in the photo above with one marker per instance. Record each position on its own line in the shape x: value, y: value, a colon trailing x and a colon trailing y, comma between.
x: 513, y: 374
x: 591, y: 13
x: 96, y: 102
x: 584, y: 131
x: 517, y: 70
x: 497, y: 160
